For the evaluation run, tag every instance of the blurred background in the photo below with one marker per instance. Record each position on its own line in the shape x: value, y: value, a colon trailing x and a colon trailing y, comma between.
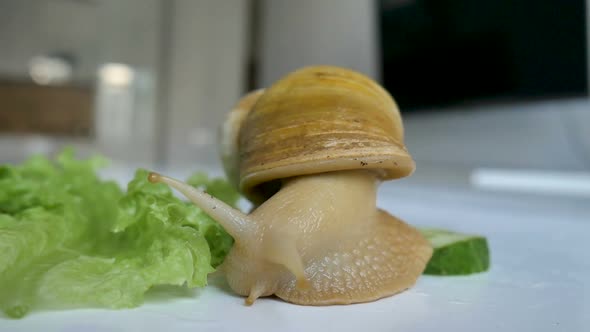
x: 494, y: 93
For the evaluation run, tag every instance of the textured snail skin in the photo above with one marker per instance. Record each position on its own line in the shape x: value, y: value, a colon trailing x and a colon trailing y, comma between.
x: 325, y: 231
x: 320, y: 240
x: 310, y: 152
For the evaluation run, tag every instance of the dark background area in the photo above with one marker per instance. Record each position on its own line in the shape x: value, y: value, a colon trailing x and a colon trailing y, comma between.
x: 446, y: 52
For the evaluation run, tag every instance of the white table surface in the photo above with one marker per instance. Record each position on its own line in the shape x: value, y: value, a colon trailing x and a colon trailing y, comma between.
x: 539, y: 280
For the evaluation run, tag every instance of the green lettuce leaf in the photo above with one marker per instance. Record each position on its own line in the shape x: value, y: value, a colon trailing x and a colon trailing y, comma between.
x: 71, y: 239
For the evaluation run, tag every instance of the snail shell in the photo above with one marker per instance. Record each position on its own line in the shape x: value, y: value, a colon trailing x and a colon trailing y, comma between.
x: 316, y: 119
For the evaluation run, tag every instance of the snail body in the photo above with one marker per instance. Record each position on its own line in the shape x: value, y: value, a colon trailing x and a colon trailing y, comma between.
x: 312, y: 150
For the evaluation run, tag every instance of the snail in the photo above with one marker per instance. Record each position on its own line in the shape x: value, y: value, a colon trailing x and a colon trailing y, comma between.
x: 310, y: 152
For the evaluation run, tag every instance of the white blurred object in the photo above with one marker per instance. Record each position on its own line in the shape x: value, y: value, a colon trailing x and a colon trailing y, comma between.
x: 116, y: 75
x: 538, y: 182
x: 114, y: 103
x: 46, y: 70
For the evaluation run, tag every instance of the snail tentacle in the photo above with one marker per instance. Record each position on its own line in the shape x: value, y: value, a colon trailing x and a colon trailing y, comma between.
x: 236, y: 223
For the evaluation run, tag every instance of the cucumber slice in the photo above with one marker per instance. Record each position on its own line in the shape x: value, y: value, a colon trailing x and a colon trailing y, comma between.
x: 456, y: 253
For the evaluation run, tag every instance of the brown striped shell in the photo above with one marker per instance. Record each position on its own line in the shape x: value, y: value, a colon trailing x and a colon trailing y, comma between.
x: 316, y: 119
